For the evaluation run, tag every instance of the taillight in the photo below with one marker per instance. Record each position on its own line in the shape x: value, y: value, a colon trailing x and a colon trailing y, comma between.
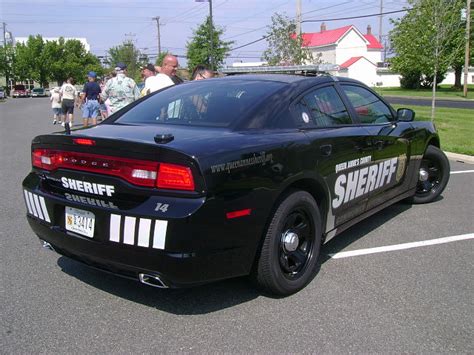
x: 138, y: 172
x: 83, y: 141
x: 42, y: 158
x: 176, y: 177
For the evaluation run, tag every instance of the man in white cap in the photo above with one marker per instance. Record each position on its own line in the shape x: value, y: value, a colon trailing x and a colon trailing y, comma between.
x: 120, y: 90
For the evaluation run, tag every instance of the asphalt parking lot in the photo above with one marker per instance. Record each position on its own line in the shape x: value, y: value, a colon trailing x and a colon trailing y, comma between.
x: 414, y: 299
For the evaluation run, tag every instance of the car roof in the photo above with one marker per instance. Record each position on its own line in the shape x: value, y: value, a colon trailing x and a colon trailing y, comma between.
x: 284, y: 78
x: 291, y: 78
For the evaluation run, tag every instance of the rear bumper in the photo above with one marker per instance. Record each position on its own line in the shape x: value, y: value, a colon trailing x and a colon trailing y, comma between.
x: 198, y: 249
x: 174, y: 269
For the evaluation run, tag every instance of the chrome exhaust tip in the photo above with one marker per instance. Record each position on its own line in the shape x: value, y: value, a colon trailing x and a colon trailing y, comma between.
x: 46, y: 245
x: 152, y: 280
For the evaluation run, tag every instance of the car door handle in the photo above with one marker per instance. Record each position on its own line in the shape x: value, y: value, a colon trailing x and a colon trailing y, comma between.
x: 326, y: 149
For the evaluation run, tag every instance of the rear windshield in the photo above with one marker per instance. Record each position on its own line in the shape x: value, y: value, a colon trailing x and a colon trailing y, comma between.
x: 213, y: 102
x: 19, y: 87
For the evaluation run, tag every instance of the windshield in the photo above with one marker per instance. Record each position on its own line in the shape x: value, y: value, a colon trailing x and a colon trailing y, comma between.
x: 19, y: 87
x: 38, y: 90
x: 214, y: 102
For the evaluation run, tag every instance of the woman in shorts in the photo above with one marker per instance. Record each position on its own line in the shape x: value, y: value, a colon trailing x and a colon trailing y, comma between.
x: 68, y: 96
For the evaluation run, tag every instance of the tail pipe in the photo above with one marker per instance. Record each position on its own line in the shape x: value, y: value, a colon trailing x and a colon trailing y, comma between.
x: 152, y: 280
x: 46, y: 245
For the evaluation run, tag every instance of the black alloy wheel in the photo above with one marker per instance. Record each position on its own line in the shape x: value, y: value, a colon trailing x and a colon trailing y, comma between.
x: 296, y: 243
x: 433, y: 176
x: 288, y: 259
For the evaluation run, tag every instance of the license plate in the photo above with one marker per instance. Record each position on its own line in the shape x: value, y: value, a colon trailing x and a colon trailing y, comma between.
x: 80, y: 221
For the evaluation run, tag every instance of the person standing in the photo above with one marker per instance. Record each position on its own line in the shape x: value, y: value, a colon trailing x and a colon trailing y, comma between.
x: 120, y: 90
x: 102, y: 105
x: 167, y: 75
x: 55, y: 99
x: 68, y: 96
x: 201, y: 72
x: 152, y: 83
x: 90, y: 100
x: 200, y: 102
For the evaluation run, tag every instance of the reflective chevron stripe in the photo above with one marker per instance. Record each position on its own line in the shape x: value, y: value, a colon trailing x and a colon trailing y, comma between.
x: 114, y: 228
x: 148, y: 230
x: 159, y: 237
x: 144, y: 232
x: 36, y: 206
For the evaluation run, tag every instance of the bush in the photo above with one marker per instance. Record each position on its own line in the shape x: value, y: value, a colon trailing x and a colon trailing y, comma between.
x: 411, y: 80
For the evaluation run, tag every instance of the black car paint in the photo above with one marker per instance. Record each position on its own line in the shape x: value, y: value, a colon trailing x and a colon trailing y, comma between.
x: 201, y: 244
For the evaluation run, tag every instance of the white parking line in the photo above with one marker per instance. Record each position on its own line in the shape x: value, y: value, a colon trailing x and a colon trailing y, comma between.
x: 462, y: 172
x: 346, y: 254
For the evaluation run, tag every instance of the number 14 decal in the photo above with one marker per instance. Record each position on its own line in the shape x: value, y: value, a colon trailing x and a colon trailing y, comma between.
x: 163, y: 207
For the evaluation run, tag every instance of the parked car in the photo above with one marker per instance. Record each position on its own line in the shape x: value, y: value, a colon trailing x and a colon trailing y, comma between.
x: 38, y: 92
x: 3, y: 94
x: 227, y: 177
x: 20, y: 90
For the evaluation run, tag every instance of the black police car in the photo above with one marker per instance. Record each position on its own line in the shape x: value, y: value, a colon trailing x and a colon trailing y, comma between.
x: 231, y: 176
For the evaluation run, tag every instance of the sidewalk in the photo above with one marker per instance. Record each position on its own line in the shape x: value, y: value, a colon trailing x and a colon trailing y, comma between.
x: 441, y: 98
x: 469, y: 159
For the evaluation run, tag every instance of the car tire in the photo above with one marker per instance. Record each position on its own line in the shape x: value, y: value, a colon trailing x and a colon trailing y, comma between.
x: 433, y: 176
x: 288, y: 259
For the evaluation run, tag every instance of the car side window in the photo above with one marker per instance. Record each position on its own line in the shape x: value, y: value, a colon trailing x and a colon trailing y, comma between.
x: 369, y: 108
x: 323, y: 108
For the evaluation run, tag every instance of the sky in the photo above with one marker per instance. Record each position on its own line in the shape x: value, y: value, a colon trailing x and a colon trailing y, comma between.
x: 108, y: 23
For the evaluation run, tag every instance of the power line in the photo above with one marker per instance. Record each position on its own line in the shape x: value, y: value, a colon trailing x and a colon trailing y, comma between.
x: 361, y: 16
x: 248, y: 44
x: 323, y: 20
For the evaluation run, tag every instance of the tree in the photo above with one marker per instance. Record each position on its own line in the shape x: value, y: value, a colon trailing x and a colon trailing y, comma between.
x: 30, y: 60
x: 199, y: 47
x: 284, y: 46
x: 70, y: 59
x: 7, y: 59
x: 459, y: 60
x: 53, y: 60
x: 427, y: 40
x: 131, y: 56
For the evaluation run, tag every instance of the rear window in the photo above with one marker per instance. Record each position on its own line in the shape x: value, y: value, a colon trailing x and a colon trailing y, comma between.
x: 214, y: 102
x: 19, y: 87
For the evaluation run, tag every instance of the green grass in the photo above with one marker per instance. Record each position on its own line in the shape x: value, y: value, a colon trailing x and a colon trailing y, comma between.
x: 445, y: 91
x: 455, y: 127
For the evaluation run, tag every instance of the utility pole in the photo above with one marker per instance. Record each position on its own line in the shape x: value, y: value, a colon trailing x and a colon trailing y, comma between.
x: 380, y: 21
x: 211, y: 36
x: 298, y: 17
x: 157, y: 19
x: 466, y: 54
x: 4, y: 34
x: 6, y: 58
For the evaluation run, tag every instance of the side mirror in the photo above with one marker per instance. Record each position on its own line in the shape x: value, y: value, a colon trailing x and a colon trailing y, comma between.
x: 405, y: 114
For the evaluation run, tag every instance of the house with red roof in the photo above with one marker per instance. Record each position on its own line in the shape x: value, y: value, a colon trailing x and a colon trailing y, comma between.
x: 357, y: 54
